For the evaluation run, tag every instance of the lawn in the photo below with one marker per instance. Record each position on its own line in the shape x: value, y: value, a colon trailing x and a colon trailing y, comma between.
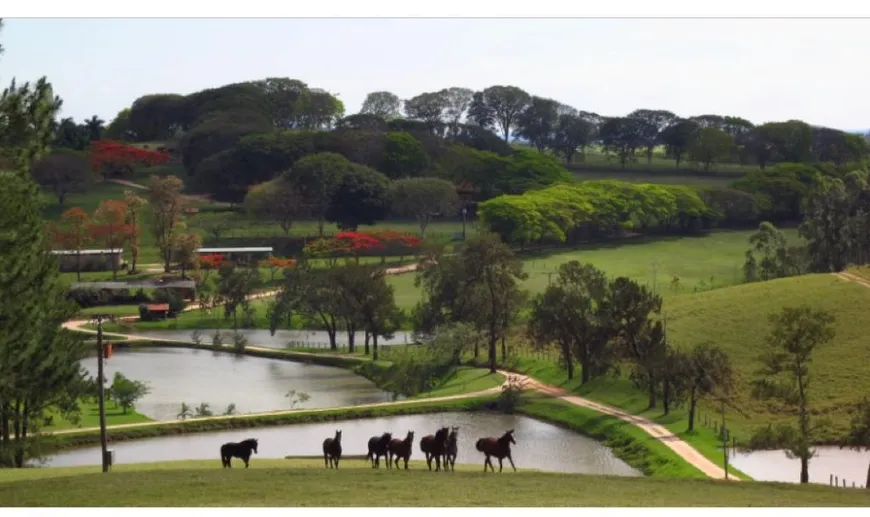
x: 597, y: 160
x: 90, y: 417
x: 634, y: 176
x: 305, y: 482
x: 466, y: 380
x: 701, y: 263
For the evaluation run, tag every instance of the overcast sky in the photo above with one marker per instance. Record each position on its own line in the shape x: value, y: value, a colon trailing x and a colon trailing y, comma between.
x: 763, y: 70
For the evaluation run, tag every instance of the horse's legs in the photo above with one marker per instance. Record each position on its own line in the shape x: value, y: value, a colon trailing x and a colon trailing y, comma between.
x: 389, y: 458
x: 327, y: 461
x: 407, y: 457
x: 512, y: 462
x: 428, y: 460
x: 485, y: 461
x: 246, y: 462
x: 336, y: 461
x: 500, y: 466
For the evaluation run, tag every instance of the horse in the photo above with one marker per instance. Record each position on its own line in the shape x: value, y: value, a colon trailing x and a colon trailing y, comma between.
x: 498, y: 447
x: 332, y: 450
x: 241, y: 450
x: 379, y: 446
x: 450, y: 450
x: 401, y: 449
x: 433, y: 447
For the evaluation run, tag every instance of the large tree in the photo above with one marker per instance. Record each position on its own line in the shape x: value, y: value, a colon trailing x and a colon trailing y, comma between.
x: 39, y: 362
x: 479, y: 284
x: 372, y: 299
x: 651, y: 123
x: 785, y: 377
x: 573, y: 131
x: 429, y: 108
x: 362, y: 197
x: 709, y: 374
x: 276, y: 201
x: 386, y: 105
x: 317, y: 178
x: 135, y: 208
x: 167, y: 214
x: 621, y: 137
x: 503, y: 105
x: 710, y: 145
x: 538, y: 121
x: 457, y: 100
x: 64, y: 171
x: 110, y: 227
x: 677, y: 137
x: 572, y: 312
x: 423, y: 199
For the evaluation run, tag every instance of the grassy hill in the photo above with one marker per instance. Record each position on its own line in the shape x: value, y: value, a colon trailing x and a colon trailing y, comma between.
x: 305, y: 482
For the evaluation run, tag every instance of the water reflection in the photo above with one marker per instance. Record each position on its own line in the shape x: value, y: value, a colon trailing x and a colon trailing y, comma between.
x: 253, y: 384
x: 775, y: 466
x: 539, y: 445
x: 259, y: 337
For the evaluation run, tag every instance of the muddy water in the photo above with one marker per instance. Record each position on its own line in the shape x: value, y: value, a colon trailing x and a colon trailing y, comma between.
x: 253, y: 384
x: 539, y: 445
x: 775, y: 466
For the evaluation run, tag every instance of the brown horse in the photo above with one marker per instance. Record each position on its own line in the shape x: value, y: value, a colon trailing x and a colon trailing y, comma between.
x: 401, y: 449
x: 379, y: 446
x: 498, y: 447
x: 433, y: 447
x: 332, y: 450
x: 450, y: 450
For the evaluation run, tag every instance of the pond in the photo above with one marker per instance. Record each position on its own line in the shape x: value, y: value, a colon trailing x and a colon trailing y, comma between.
x: 775, y: 466
x: 253, y: 384
x: 260, y: 337
x: 539, y: 445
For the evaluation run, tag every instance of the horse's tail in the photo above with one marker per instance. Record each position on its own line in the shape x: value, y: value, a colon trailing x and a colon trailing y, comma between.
x: 479, y: 444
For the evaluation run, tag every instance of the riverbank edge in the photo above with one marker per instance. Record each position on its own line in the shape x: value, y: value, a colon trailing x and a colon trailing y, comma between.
x: 646, y: 455
x: 634, y: 446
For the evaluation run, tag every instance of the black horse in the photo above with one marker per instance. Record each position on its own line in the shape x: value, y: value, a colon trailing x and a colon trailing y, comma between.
x: 332, y: 450
x: 451, y: 450
x: 433, y: 446
x: 379, y: 446
x: 241, y: 450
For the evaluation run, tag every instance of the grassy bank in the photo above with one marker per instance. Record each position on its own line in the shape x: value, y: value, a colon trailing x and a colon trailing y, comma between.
x: 90, y: 417
x: 308, y: 483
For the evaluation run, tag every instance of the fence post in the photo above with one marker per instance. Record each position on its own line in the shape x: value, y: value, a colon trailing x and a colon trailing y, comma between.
x: 844, y: 482
x: 831, y: 482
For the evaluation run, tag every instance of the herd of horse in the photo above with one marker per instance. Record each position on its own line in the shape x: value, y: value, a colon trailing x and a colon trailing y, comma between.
x: 439, y: 448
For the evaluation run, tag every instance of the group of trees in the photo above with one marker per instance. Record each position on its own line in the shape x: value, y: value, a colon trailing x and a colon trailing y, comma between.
x: 594, y: 209
x: 835, y: 227
x: 35, y: 305
x: 601, y: 324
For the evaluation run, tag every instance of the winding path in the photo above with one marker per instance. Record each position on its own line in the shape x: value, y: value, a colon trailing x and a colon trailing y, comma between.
x: 658, y: 432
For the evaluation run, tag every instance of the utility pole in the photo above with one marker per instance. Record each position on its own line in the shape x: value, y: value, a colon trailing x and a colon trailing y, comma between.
x: 101, y: 380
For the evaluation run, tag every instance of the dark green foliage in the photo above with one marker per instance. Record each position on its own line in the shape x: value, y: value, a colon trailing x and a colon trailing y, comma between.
x: 39, y: 367
x: 125, y: 392
x: 403, y: 156
x: 156, y: 117
x: 780, y: 189
x: 362, y: 198
x: 217, y: 132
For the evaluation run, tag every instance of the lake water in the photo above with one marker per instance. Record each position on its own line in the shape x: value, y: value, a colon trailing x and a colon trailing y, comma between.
x: 259, y: 337
x: 253, y: 384
x: 775, y: 466
x: 539, y: 445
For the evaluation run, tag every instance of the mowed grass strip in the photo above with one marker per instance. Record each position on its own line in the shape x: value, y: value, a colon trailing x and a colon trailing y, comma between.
x: 306, y: 482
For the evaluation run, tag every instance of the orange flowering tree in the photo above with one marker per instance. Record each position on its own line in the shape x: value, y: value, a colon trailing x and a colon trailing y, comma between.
x: 110, y: 226
x: 113, y: 159
x: 210, y: 262
x: 72, y: 233
x: 276, y: 263
x: 344, y: 244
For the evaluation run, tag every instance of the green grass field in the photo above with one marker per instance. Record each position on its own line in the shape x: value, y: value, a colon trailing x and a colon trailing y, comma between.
x: 635, y: 176
x: 90, y: 417
x: 305, y: 482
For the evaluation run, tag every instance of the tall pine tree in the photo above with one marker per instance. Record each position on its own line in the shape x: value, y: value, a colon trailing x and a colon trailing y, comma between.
x: 39, y: 362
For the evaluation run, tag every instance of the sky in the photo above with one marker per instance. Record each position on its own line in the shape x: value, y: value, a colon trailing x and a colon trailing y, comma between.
x: 762, y: 70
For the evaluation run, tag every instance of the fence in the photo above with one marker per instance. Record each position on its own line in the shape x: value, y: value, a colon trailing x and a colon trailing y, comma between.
x: 835, y: 481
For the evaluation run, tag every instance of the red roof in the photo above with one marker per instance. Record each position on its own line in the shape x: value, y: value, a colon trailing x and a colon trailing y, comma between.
x: 158, y: 307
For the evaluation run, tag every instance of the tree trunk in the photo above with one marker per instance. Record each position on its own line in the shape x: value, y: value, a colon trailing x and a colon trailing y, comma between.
x: 19, y: 451
x: 569, y: 364
x: 666, y: 395
x: 367, y: 342
x: 351, y: 335
x: 476, y: 350
x: 503, y: 349
x: 374, y: 346
x: 652, y: 392
x: 331, y: 331
x: 493, y: 339
x: 79, y: 265
x: 867, y: 483
x: 805, y: 470
x: 692, y: 404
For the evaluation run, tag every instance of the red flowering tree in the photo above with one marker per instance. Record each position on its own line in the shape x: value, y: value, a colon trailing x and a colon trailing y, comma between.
x: 345, y: 244
x: 211, y: 262
x: 113, y: 159
x: 110, y: 226
x: 397, y: 243
x: 276, y: 263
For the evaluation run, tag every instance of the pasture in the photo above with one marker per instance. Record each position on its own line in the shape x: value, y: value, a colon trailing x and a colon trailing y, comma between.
x: 305, y: 482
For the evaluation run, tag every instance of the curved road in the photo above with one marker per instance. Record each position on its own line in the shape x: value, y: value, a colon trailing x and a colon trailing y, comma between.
x: 659, y: 432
